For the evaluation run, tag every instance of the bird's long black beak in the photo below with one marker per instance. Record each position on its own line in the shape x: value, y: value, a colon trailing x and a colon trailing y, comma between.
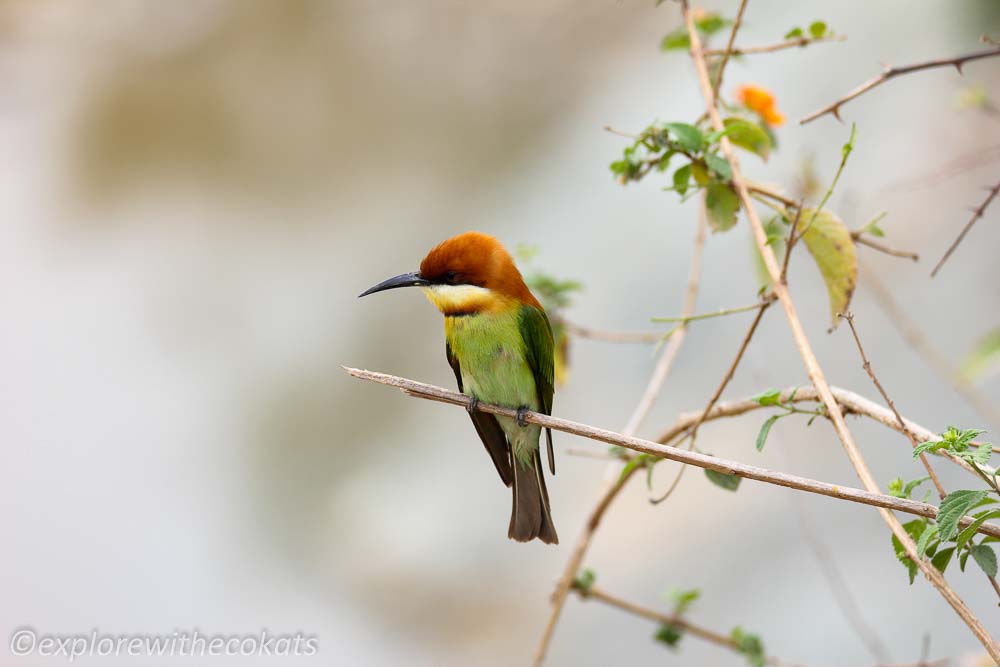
x: 405, y: 280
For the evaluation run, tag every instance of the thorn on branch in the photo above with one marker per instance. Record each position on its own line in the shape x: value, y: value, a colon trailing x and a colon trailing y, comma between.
x: 892, y: 72
x: 977, y: 213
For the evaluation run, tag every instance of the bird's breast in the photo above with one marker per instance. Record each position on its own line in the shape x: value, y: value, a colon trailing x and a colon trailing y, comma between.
x: 491, y: 354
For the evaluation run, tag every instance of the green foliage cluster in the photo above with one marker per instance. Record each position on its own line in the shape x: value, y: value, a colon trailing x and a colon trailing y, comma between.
x: 703, y: 167
x: 707, y: 24
x: 943, y: 539
x: 817, y: 30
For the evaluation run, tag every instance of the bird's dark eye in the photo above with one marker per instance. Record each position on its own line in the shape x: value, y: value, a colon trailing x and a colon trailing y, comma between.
x: 450, y: 277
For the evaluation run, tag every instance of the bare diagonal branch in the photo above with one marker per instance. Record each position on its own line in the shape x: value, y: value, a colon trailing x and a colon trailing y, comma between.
x: 976, y: 214
x: 893, y: 72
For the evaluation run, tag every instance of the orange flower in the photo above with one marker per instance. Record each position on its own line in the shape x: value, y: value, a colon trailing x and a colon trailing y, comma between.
x: 761, y: 101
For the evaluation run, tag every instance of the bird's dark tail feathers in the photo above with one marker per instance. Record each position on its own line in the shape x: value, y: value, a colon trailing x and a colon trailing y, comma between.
x: 530, y: 516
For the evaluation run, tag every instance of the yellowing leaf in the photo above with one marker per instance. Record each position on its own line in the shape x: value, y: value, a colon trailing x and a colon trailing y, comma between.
x: 830, y: 243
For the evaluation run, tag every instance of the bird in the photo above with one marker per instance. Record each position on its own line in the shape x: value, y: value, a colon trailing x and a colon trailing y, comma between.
x: 498, y: 341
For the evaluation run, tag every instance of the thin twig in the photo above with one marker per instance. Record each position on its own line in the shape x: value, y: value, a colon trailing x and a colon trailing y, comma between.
x: 614, y: 480
x: 976, y: 214
x: 684, y: 319
x: 610, y: 336
x: 729, y: 47
x: 693, y: 433
x: 778, y: 46
x: 673, y: 620
x: 813, y: 367
x: 867, y: 365
x: 790, y: 242
x: 621, y: 133
x: 913, y: 334
x: 860, y: 238
x: 725, y: 466
x: 771, y: 194
x: 892, y: 72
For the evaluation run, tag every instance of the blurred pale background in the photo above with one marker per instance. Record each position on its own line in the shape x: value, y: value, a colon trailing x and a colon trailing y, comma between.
x: 194, y: 193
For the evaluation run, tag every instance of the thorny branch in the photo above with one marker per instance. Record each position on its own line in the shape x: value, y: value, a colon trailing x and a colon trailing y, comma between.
x: 976, y: 214
x: 808, y: 356
x: 725, y: 466
x: 892, y: 72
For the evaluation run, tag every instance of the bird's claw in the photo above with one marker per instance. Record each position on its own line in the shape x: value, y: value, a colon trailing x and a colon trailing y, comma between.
x: 521, y: 412
x: 472, y: 405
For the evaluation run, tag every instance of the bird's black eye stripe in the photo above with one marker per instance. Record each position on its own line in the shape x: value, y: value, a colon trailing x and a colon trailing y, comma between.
x: 450, y: 278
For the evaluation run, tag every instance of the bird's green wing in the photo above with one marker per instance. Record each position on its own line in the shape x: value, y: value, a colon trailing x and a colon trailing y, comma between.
x: 539, y: 351
x: 488, y: 429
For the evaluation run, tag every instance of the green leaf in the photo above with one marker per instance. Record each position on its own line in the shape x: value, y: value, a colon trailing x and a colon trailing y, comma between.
x: 830, y: 243
x: 711, y: 23
x: 872, y: 226
x: 914, y: 529
x: 678, y: 39
x: 982, y: 455
x: 633, y: 463
x: 929, y: 446
x: 669, y: 634
x: 985, y: 558
x: 942, y: 559
x: 585, y: 581
x: 688, y: 136
x: 984, y: 359
x: 721, y: 479
x: 817, y: 29
x: 925, y: 540
x: 793, y: 33
x: 683, y: 599
x: 961, y: 560
x: 969, y: 531
x: 896, y: 488
x: 750, y: 645
x: 719, y: 165
x: 722, y: 204
x: 748, y: 136
x: 765, y: 428
x: 954, y: 506
x: 910, y: 486
x: 769, y: 397
x: 681, y: 179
